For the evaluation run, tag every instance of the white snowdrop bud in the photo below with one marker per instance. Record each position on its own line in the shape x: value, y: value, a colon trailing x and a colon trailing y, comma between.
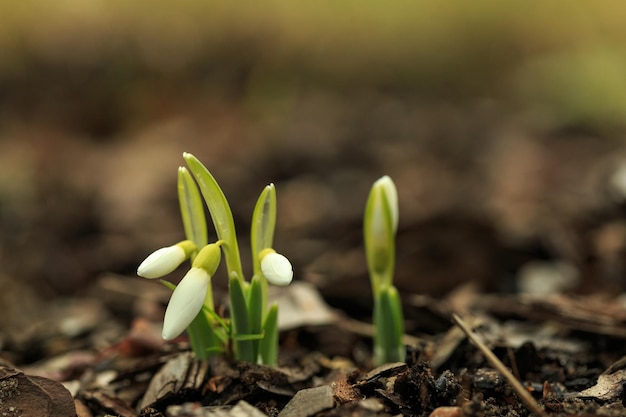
x: 276, y: 268
x: 385, y: 186
x: 186, y: 302
x: 162, y: 261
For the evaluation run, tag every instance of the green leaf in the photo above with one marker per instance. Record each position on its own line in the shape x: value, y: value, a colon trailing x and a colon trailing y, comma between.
x: 263, y: 224
x: 268, y: 349
x: 191, y: 209
x: 240, y: 325
x: 220, y: 213
x: 397, y: 316
x: 255, y: 309
x: 389, y: 325
x: 248, y: 337
x: 262, y: 234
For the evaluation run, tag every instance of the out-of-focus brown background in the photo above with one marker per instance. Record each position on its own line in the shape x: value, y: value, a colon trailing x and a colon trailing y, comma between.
x: 502, y: 124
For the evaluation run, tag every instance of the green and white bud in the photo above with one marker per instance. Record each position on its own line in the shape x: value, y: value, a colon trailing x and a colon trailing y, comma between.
x: 186, y: 302
x: 165, y: 260
x: 389, y: 188
x: 385, y: 193
x: 275, y: 267
x: 209, y: 258
x: 380, y: 224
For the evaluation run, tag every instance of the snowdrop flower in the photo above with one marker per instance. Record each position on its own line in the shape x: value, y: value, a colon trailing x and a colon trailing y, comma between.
x: 191, y: 293
x: 276, y: 268
x: 165, y: 260
x: 186, y: 302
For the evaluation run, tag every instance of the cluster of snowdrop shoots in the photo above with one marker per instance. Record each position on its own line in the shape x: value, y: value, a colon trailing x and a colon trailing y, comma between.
x: 251, y: 332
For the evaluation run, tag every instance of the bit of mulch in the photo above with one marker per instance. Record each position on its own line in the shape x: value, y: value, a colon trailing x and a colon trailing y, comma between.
x: 566, y: 351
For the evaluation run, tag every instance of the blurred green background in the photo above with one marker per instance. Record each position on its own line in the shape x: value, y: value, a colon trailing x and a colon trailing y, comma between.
x: 500, y: 122
x: 561, y: 59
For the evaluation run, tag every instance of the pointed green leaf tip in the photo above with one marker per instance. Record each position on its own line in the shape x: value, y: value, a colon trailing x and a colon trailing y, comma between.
x: 191, y: 208
x: 263, y: 224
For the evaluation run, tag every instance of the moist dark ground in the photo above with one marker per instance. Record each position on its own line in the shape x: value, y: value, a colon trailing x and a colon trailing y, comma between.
x: 508, y: 217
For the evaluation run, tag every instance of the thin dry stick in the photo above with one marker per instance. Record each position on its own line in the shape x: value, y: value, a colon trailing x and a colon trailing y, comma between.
x: 527, y: 399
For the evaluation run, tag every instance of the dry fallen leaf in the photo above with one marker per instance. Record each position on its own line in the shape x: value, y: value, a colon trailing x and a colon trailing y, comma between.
x: 179, y: 374
x: 309, y: 401
x: 609, y: 387
x: 24, y: 395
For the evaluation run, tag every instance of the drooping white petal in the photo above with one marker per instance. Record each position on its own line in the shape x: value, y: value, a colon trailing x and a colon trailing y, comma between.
x: 277, y: 269
x: 185, y: 303
x: 161, y: 262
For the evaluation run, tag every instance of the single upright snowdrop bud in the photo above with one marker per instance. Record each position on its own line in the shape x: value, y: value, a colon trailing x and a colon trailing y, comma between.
x: 276, y: 268
x: 386, y: 194
x: 380, y: 226
x: 165, y: 260
x: 186, y: 302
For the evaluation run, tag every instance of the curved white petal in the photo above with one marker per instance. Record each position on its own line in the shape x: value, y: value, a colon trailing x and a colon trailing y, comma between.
x: 161, y: 262
x: 277, y: 269
x: 185, y: 303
